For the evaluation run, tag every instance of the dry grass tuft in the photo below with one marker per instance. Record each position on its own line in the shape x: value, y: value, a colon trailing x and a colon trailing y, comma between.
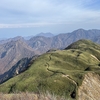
x: 30, y: 96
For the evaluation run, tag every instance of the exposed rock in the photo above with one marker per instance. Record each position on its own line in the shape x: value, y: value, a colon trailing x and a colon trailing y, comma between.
x: 90, y: 88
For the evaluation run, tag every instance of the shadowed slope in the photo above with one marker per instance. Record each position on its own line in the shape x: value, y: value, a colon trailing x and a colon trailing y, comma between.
x: 11, y: 52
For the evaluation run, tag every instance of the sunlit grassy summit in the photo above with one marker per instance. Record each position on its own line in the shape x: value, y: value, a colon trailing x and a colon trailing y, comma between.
x: 60, y: 72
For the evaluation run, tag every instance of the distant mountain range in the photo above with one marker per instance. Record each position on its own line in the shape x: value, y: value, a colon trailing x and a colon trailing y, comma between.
x: 45, y: 34
x: 40, y: 34
x: 42, y: 44
x: 11, y: 39
x: 14, y: 49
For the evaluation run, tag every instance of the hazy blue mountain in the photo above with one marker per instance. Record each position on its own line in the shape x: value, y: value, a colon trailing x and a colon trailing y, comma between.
x: 45, y: 34
x: 28, y: 37
x: 97, y: 39
x: 14, y: 49
x: 11, y: 39
x: 61, y: 41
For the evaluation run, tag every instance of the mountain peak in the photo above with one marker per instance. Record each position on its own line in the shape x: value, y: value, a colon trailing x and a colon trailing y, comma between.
x: 45, y: 34
x: 79, y: 30
x: 83, y: 44
x: 57, y: 68
x: 12, y: 51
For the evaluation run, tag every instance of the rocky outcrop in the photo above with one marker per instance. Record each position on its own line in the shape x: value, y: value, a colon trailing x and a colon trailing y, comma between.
x: 90, y: 88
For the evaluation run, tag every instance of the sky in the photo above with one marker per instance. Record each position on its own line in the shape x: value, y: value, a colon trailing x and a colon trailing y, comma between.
x: 30, y: 17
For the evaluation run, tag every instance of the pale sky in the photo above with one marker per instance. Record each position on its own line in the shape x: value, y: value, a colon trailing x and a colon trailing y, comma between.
x: 30, y: 17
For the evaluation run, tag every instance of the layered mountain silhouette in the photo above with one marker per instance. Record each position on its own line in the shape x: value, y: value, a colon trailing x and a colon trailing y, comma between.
x: 12, y: 39
x: 45, y: 34
x: 63, y: 72
x: 61, y: 41
x: 14, y: 49
x: 11, y: 52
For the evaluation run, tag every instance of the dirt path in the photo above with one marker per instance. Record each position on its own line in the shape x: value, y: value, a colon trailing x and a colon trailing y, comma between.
x: 95, y: 57
x: 68, y: 77
x: 55, y: 72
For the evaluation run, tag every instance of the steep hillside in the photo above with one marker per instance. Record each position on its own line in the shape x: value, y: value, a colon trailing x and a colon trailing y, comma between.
x: 87, y: 47
x: 61, y: 41
x: 97, y: 39
x: 90, y: 88
x: 40, y: 43
x: 61, y: 72
x: 11, y: 52
x: 18, y: 68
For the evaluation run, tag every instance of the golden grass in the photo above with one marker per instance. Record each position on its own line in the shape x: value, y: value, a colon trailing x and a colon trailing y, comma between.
x: 29, y: 96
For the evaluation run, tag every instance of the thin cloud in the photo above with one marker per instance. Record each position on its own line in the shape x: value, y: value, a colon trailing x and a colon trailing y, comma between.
x: 26, y: 25
x: 37, y: 13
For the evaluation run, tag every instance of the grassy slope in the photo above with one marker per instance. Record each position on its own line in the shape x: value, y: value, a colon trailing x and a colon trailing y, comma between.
x: 59, y: 72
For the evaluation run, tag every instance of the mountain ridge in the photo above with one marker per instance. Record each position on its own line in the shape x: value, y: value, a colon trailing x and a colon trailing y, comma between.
x: 13, y: 51
x: 45, y: 34
x: 62, y: 40
x: 53, y: 70
x: 41, y: 44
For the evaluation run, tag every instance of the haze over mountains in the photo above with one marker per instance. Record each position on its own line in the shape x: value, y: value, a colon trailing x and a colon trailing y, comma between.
x: 38, y: 57
x: 14, y: 49
x: 45, y: 34
x: 62, y: 40
x: 40, y: 44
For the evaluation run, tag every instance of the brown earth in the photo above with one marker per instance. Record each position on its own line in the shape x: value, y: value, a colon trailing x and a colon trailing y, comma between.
x: 90, y: 88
